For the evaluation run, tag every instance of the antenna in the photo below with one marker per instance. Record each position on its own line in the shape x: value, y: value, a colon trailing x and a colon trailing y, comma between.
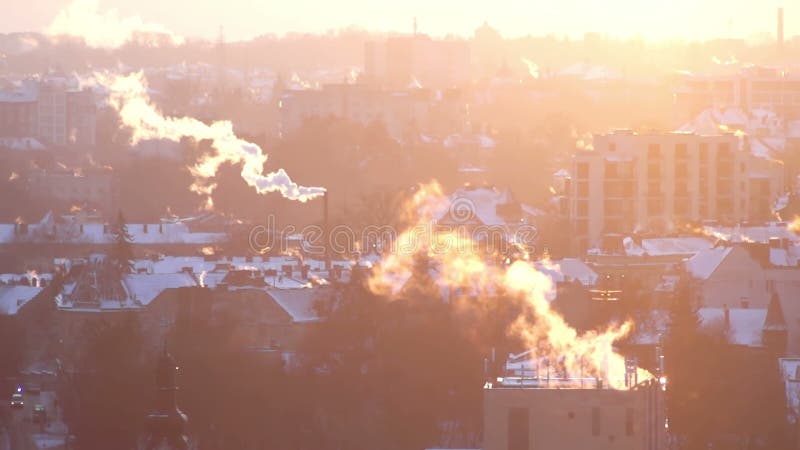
x: 415, y: 25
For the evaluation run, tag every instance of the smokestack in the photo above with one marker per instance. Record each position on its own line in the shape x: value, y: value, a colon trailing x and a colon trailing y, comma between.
x: 727, y: 317
x: 780, y: 30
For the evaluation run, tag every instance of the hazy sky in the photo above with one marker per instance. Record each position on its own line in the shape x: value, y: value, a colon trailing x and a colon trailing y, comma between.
x: 242, y: 19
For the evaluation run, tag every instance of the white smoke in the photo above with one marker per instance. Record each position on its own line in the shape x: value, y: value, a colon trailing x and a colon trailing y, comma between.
x: 128, y: 95
x: 533, y: 68
x: 82, y: 19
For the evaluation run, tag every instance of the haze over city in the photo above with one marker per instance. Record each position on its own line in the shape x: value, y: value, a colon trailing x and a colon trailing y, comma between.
x: 252, y: 225
x: 246, y: 19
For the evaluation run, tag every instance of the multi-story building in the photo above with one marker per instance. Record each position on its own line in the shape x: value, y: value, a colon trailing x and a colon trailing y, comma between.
x: 18, y: 111
x: 750, y: 88
x: 572, y: 414
x: 403, y: 113
x: 399, y: 61
x: 51, y: 111
x: 660, y: 182
x: 92, y: 187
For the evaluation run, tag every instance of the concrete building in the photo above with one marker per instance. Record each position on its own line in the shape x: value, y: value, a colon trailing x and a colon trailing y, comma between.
x: 404, y: 113
x: 751, y: 87
x: 660, y: 182
x: 399, y: 61
x: 50, y: 110
x: 19, y: 111
x: 91, y: 187
x: 524, y: 418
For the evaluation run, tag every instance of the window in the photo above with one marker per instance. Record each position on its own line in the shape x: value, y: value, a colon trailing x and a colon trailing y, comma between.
x: 723, y: 151
x: 518, y: 429
x: 583, y: 189
x: 582, y: 226
x: 654, y: 206
x: 612, y: 170
x: 582, y: 208
x: 596, y: 425
x: 653, y: 151
x: 629, y: 421
x: 582, y: 170
x: 653, y: 171
x: 680, y: 151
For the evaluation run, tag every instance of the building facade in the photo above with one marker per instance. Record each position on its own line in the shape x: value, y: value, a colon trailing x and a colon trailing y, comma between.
x: 399, y: 61
x: 660, y: 182
x: 51, y: 111
x: 749, y: 88
x: 522, y: 418
x: 404, y: 113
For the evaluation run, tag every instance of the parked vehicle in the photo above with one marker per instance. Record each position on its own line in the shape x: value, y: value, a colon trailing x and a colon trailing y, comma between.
x: 39, y: 414
x: 17, y: 401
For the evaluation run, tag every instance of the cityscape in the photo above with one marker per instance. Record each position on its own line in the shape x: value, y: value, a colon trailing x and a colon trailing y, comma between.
x: 354, y: 226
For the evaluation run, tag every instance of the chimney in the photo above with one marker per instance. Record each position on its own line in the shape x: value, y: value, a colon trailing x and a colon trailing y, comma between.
x: 727, y: 313
x: 780, y: 30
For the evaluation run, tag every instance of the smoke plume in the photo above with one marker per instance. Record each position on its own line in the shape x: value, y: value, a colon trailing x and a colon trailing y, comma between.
x: 128, y: 96
x: 464, y: 269
x: 82, y: 19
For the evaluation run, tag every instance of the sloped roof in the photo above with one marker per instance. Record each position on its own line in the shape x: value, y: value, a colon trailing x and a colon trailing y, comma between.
x: 569, y: 269
x: 298, y: 303
x: 13, y: 298
x: 675, y: 246
x: 775, y: 320
x: 146, y: 287
x: 482, y: 204
x: 745, y: 324
x: 705, y: 262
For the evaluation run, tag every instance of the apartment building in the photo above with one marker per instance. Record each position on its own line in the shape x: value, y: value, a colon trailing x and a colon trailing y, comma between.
x: 659, y: 182
x: 49, y: 110
x: 751, y: 87
x: 93, y: 187
x: 400, y: 60
x: 18, y: 111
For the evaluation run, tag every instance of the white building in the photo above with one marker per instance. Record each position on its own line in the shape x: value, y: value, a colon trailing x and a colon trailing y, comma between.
x: 662, y: 181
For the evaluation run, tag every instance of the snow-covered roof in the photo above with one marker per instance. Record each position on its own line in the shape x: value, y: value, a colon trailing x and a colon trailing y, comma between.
x: 26, y: 91
x: 760, y: 234
x: 482, y: 204
x: 298, y: 303
x: 73, y: 232
x: 14, y: 297
x: 785, y: 257
x: 705, y: 262
x: 143, y: 288
x: 21, y: 143
x: 589, y: 72
x: 470, y: 140
x: 675, y: 246
x: 568, y: 269
x: 745, y: 324
x: 666, y: 246
x: 650, y: 328
x: 790, y: 371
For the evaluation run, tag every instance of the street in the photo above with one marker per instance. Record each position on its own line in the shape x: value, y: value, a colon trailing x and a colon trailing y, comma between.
x: 19, y: 431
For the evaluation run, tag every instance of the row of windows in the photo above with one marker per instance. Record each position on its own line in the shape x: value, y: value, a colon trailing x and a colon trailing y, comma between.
x: 519, y: 433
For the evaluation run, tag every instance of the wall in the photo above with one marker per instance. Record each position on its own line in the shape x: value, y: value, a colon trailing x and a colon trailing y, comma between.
x: 571, y: 419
